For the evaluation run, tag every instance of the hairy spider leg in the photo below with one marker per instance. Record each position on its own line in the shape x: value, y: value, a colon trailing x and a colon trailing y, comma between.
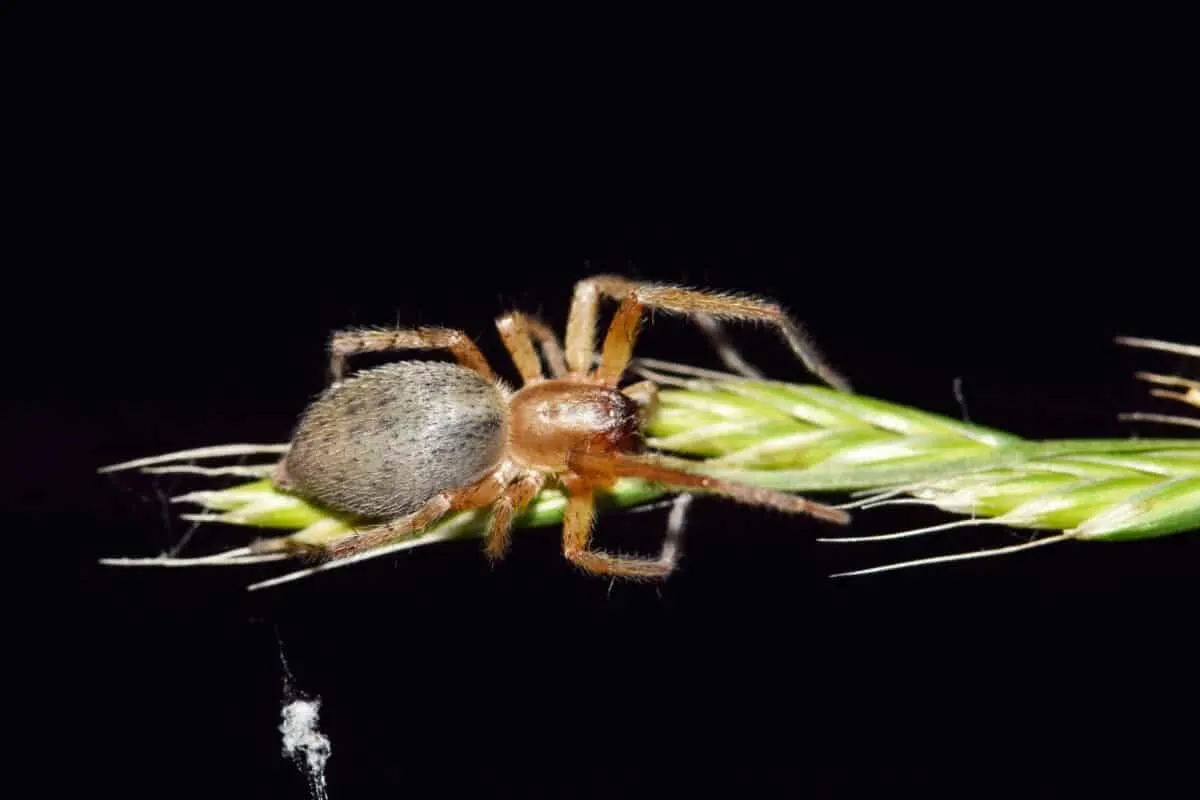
x: 519, y: 331
x: 658, y: 470
x: 366, y: 340
x: 515, y: 497
x: 708, y: 306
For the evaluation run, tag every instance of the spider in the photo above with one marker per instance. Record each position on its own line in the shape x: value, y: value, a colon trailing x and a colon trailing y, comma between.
x: 400, y: 446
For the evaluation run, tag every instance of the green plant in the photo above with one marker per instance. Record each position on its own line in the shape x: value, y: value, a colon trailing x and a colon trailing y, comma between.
x: 811, y: 439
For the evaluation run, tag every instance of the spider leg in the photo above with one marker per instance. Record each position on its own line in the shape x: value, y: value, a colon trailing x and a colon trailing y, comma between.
x: 361, y: 540
x: 434, y: 509
x: 611, y: 465
x: 705, y: 306
x: 518, y: 331
x: 351, y: 342
x: 512, y: 500
x: 479, y: 494
x: 676, y: 523
x: 577, y: 537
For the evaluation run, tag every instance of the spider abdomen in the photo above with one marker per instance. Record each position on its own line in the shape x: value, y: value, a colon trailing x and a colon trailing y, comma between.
x: 389, y: 438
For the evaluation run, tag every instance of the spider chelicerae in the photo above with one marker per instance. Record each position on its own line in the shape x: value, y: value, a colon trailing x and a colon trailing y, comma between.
x: 399, y: 446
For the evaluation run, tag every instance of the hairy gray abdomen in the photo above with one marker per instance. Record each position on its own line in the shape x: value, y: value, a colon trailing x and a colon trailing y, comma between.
x: 388, y: 439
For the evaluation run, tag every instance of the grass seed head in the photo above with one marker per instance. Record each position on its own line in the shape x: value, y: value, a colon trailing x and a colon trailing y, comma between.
x: 807, y: 438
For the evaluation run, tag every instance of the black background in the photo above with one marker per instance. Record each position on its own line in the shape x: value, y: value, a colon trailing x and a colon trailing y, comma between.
x: 199, y: 226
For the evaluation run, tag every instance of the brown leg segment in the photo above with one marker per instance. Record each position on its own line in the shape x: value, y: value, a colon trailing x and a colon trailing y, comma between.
x: 518, y: 332
x: 608, y: 466
x: 348, y: 343
x: 510, y: 503
x: 581, y: 327
x: 482, y: 493
x: 520, y: 346
x: 547, y: 339
x: 709, y: 307
x: 434, y: 509
x: 577, y: 537
x: 617, y: 350
x: 359, y: 541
